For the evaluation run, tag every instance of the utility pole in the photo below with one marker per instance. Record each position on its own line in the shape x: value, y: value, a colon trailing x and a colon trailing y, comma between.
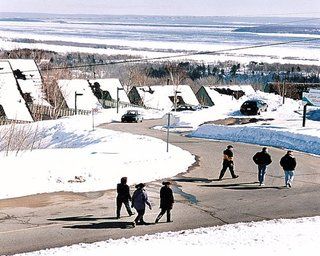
x: 283, y: 92
x: 168, y: 127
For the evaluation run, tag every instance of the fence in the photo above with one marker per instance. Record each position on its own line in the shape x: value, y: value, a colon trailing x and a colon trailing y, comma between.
x: 113, y: 104
x: 46, y: 112
x: 4, y: 121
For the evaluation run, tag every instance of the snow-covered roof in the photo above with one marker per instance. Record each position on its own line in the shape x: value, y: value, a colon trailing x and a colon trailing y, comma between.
x: 111, y: 85
x: 30, y: 81
x: 157, y: 96
x: 86, y: 101
x: 216, y: 97
x: 246, y: 88
x: 11, y: 99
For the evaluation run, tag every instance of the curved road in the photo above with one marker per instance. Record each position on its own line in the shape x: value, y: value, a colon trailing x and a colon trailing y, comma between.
x: 58, y: 219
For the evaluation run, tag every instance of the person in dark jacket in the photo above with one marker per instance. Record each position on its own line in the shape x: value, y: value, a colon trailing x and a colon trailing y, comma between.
x: 262, y: 159
x: 166, y: 201
x: 288, y: 163
x: 228, y: 163
x: 123, y: 196
x: 139, y: 202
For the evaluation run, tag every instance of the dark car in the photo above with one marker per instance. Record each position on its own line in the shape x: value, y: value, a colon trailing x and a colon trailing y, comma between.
x: 253, y: 107
x: 131, y: 116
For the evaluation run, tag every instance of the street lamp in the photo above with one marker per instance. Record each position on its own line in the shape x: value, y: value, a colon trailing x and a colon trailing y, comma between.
x: 118, y: 89
x: 75, y: 101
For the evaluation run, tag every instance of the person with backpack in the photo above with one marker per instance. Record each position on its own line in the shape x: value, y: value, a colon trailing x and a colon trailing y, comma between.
x: 228, y: 163
x: 166, y: 201
x: 123, y: 196
x: 262, y: 159
x: 139, y: 202
x: 288, y: 163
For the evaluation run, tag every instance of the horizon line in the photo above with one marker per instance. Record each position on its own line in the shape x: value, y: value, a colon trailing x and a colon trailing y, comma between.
x: 175, y: 15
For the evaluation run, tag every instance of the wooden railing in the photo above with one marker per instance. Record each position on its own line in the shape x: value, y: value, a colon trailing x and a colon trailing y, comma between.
x: 40, y: 112
x: 4, y: 121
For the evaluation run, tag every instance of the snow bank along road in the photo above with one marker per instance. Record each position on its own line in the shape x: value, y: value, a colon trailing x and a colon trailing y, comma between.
x: 57, y: 219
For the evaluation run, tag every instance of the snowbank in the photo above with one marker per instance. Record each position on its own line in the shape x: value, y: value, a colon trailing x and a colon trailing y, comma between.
x: 281, y: 138
x: 256, y: 238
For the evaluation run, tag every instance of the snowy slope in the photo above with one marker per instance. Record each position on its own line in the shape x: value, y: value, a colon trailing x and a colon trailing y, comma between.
x: 10, y: 97
x: 87, y: 101
x: 32, y: 83
x: 69, y: 147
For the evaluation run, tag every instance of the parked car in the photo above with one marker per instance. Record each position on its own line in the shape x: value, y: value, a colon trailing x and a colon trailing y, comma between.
x: 253, y: 107
x: 131, y: 116
x: 185, y: 108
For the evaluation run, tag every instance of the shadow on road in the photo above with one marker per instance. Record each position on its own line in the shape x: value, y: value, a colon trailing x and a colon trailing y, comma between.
x: 82, y: 218
x: 204, y: 180
x: 242, y: 186
x: 104, y: 225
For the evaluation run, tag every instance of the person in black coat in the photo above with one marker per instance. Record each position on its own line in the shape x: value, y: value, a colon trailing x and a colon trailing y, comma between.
x: 166, y: 201
x: 123, y: 197
x: 262, y: 159
x: 228, y: 163
x: 288, y: 163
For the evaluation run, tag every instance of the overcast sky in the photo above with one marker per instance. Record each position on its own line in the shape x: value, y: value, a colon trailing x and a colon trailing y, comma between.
x: 289, y: 8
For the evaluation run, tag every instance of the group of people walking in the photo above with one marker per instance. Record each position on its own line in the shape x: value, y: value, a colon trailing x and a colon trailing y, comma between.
x: 139, y: 201
x: 262, y: 159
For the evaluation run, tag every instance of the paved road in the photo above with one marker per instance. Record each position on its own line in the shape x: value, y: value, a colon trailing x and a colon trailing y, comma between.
x: 57, y: 219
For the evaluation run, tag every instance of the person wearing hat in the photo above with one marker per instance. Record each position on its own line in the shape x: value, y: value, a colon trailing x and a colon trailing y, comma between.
x: 166, y: 201
x: 262, y: 159
x: 228, y: 163
x: 139, y: 202
x: 288, y: 163
x: 123, y: 196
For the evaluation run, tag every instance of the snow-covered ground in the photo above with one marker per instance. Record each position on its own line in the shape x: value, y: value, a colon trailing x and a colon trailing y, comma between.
x: 281, y: 125
x: 70, y: 150
x: 275, y: 237
x: 68, y: 155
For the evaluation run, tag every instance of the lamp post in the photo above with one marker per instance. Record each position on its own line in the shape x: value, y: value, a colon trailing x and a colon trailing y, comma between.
x: 75, y: 101
x: 118, y: 89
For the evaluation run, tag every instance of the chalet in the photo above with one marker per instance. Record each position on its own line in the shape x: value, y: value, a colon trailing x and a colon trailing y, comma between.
x: 78, y: 94
x: 95, y: 93
x: 162, y: 97
x: 209, y: 95
x: 12, y: 104
x: 30, y: 81
x: 108, y: 89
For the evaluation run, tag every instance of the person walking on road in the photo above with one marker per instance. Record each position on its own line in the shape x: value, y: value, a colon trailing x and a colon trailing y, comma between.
x: 262, y: 159
x: 166, y: 201
x: 228, y: 163
x: 288, y: 163
x: 139, y: 202
x: 123, y: 196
